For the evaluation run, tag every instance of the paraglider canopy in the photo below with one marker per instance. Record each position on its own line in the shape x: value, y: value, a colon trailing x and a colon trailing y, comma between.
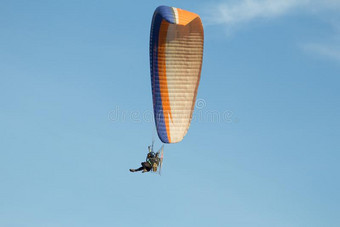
x: 176, y: 52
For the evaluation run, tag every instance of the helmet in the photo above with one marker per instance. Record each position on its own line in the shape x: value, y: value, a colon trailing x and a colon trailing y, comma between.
x: 151, y: 155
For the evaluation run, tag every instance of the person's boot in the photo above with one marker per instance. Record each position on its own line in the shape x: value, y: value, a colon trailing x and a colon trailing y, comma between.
x: 132, y: 170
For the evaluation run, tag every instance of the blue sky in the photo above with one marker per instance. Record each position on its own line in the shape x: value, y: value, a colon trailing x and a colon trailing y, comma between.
x: 75, y: 116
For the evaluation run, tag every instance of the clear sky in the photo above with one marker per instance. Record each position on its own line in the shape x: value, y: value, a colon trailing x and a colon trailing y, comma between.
x: 76, y: 106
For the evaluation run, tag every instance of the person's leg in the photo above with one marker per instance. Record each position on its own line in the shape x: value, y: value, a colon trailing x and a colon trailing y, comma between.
x: 136, y: 170
x: 139, y: 169
x: 146, y: 167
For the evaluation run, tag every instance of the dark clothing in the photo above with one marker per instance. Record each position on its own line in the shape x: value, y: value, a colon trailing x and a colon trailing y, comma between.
x: 152, y: 161
x: 145, y: 165
x: 148, y: 165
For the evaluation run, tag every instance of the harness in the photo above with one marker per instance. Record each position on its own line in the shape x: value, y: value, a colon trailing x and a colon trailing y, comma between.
x: 153, y: 163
